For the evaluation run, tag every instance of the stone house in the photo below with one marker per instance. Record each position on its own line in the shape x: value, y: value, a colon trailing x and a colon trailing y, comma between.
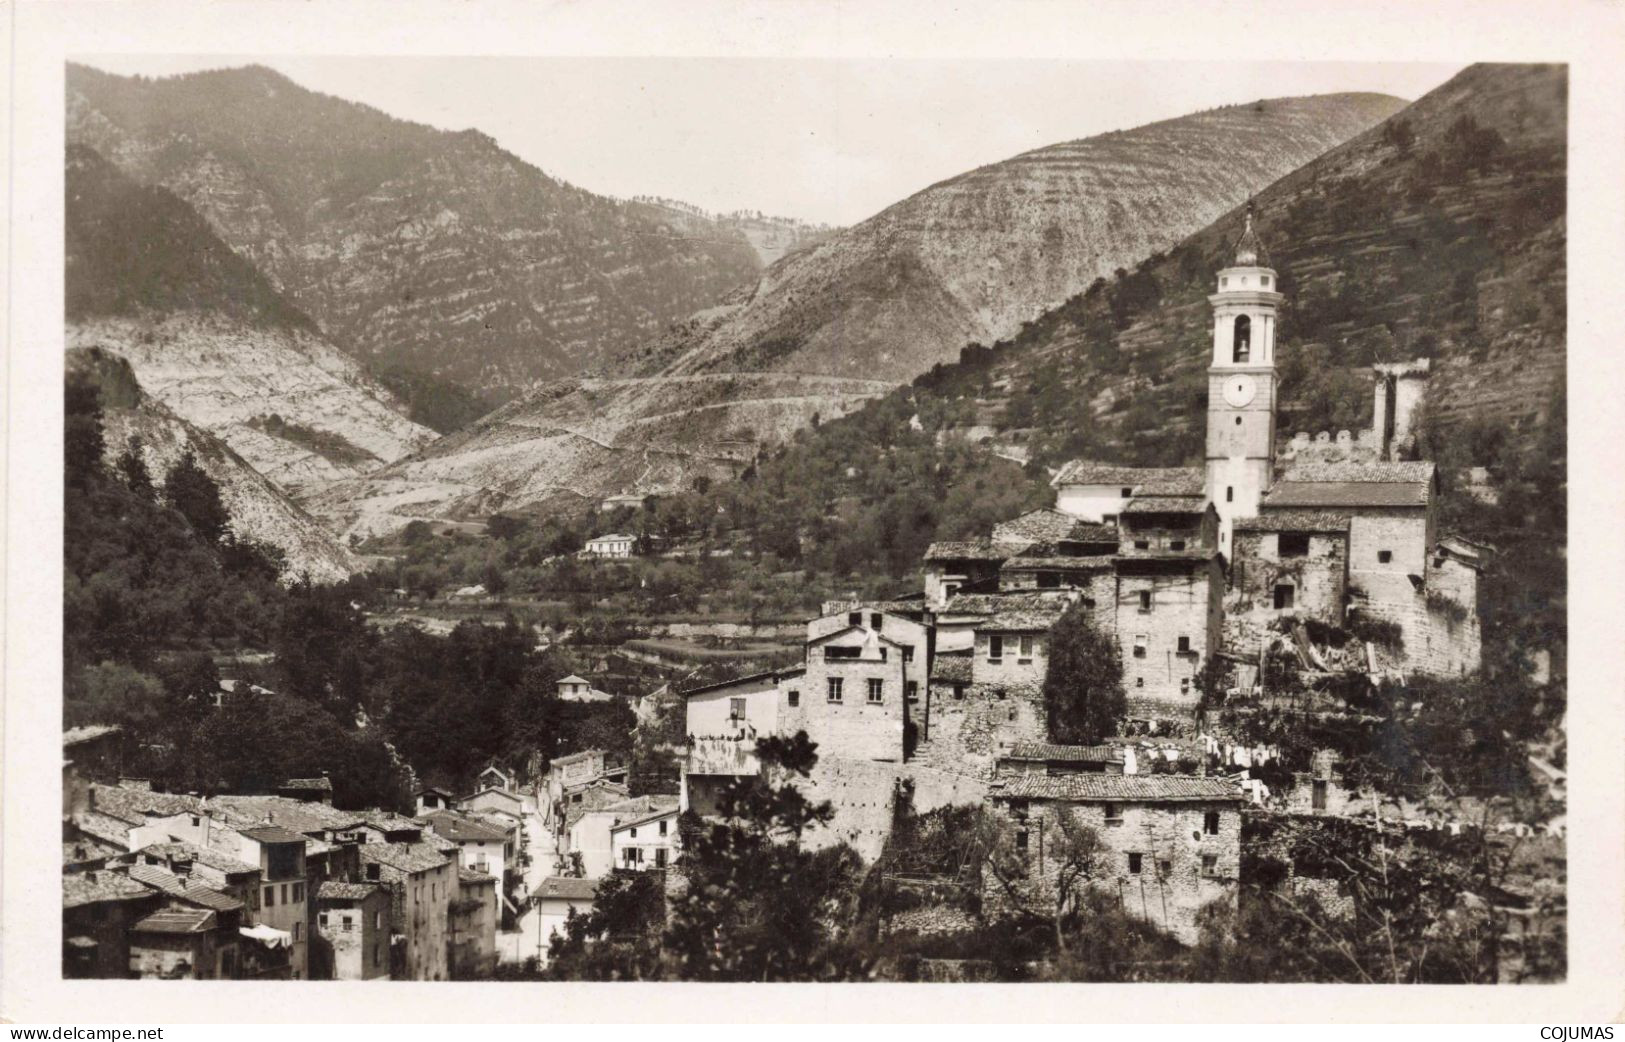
x: 556, y: 897
x: 953, y: 568
x: 1169, y: 614
x: 475, y: 914
x: 482, y: 846
x: 184, y: 943
x: 615, y: 544
x: 723, y: 721
x: 99, y: 907
x: 590, y: 836
x: 1288, y: 563
x: 1089, y: 574
x: 1167, y: 845
x: 284, y: 898
x: 422, y: 883
x: 316, y: 790
x: 1057, y: 533
x: 1049, y: 759
x: 1097, y: 492
x: 855, y: 702
x: 353, y: 926
x: 433, y: 798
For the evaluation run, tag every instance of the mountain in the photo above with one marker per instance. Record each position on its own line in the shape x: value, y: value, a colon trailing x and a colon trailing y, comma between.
x: 838, y: 322
x: 259, y: 509
x: 206, y: 334
x: 1440, y: 234
x: 414, y: 249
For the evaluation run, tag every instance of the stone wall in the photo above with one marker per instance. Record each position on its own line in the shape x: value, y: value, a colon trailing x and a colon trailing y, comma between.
x: 863, y: 796
x: 967, y: 734
x: 1319, y: 581
x: 853, y: 727
x: 1183, y: 604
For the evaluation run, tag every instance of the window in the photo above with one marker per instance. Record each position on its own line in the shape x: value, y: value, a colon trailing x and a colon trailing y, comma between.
x: 321, y: 919
x: 1134, y: 864
x: 348, y: 924
x: 660, y: 858
x: 834, y: 689
x: 1021, y: 840
x: 1165, y: 868
x: 1184, y: 645
x: 1113, y: 813
x: 794, y: 697
x: 1292, y: 544
x: 876, y: 690
x: 1385, y: 556
x: 1139, y: 681
x: 854, y: 618
x: 1210, y: 823
x: 1264, y: 280
x: 874, y: 620
x: 1049, y: 581
x: 833, y: 652
x: 298, y: 931
x: 1145, y: 602
x: 959, y: 692
x: 378, y: 920
x: 1184, y: 685
x: 911, y: 690
x: 196, y: 821
x: 1139, y: 645
x: 1127, y: 492
x: 1024, y: 650
x: 662, y: 828
x: 1242, y: 343
x: 1284, y: 596
x: 372, y: 873
x: 634, y: 831
x: 1108, y: 519
x: 1142, y: 544
x: 1238, y: 421
x: 1318, y: 794
x: 298, y: 892
x: 908, y: 653
x: 1229, y: 493
x: 1176, y: 544
x: 736, y: 709
x: 1210, y: 865
x: 285, y: 893
x: 995, y: 647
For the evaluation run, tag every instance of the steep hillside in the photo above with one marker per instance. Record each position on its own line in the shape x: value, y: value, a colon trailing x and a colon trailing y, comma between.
x: 1440, y: 234
x: 873, y: 305
x: 259, y: 510
x: 209, y: 336
x: 413, y: 248
x: 771, y: 237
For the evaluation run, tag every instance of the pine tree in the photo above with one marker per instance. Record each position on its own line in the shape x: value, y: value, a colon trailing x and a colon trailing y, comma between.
x: 132, y: 468
x: 189, y: 490
x: 1083, y: 685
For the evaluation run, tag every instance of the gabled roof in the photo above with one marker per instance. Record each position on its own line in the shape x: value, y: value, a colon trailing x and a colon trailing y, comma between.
x: 461, y: 829
x: 388, y: 821
x: 1024, y: 618
x: 973, y: 550
x: 404, y: 857
x: 984, y: 604
x: 271, y: 834
x: 568, y: 887
x: 336, y: 891
x: 1058, y: 564
x: 86, y: 888
x: 848, y: 629
x: 185, y: 889
x: 88, y: 849
x: 103, y: 827
x: 666, y: 812
x: 1165, y: 505
x: 295, y: 815
x: 1049, y: 526
x: 177, y: 920
x: 574, y: 679
x: 1045, y: 752
x: 133, y: 805
x: 1086, y: 472
x: 952, y: 668
x: 215, y: 859
x: 1294, y: 521
x: 771, y: 676
x: 1117, y: 788
x: 1406, y: 484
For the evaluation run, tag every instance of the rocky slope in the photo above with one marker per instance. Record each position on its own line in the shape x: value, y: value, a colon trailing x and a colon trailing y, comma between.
x: 209, y: 337
x: 413, y: 248
x: 1439, y: 234
x: 835, y: 323
x: 259, y: 509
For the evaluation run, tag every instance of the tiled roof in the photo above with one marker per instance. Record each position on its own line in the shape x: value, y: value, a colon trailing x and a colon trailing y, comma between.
x: 462, y: 829
x: 1063, y: 564
x: 574, y: 678
x: 1129, y: 553
x: 567, y: 887
x: 296, y: 815
x: 202, y: 855
x: 81, y: 851
x: 405, y: 857
x: 1294, y: 521
x: 972, y: 550
x: 654, y: 814
x: 1417, y: 471
x: 989, y: 603
x: 177, y: 920
x: 1025, y: 618
x: 133, y: 805
x: 88, y: 733
x: 386, y: 821
x: 185, y: 889
x: 952, y: 668
x: 312, y: 784
x: 1046, y: 526
x: 1354, y: 485
x: 1084, y: 472
x: 770, y: 675
x: 1117, y: 788
x: 336, y: 891
x: 1047, y: 753
x: 1165, y: 505
x: 85, y: 888
x: 103, y: 827
x: 1186, y: 481
x: 271, y: 834
x: 468, y: 875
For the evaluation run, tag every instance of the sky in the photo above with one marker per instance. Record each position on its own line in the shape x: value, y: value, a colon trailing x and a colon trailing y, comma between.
x: 831, y: 141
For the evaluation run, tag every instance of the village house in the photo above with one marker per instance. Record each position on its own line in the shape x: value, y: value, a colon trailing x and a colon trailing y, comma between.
x: 194, y: 935
x: 613, y: 545
x: 1053, y: 760
x: 556, y: 897
x: 98, y: 910
x: 353, y: 926
x: 433, y: 798
x: 1289, y: 563
x: 722, y: 722
x: 574, y: 688
x: 647, y: 842
x: 482, y: 846
x: 965, y: 566
x: 475, y: 915
x: 1163, y: 846
x: 1097, y: 492
x: 422, y: 883
x: 591, y: 847
x: 284, y: 898
x: 317, y: 790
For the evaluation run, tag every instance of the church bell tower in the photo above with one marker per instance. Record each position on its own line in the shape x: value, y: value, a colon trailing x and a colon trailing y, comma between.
x: 1241, y: 385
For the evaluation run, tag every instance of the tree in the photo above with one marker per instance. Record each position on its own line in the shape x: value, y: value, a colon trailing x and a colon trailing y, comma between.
x: 1083, y: 683
x: 82, y: 431
x: 132, y: 468
x: 1041, y: 868
x: 619, y: 939
x: 756, y: 906
x: 189, y: 490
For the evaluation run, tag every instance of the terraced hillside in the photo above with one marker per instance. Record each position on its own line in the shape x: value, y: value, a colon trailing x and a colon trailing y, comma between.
x: 831, y: 326
x: 413, y: 248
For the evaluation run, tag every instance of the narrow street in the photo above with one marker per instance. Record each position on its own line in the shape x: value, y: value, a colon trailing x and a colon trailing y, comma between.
x: 525, y: 942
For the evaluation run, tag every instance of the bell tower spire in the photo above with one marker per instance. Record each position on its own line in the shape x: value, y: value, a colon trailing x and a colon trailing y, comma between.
x: 1241, y: 384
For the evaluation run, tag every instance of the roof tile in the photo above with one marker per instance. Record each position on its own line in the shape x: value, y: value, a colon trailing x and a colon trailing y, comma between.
x: 1117, y: 788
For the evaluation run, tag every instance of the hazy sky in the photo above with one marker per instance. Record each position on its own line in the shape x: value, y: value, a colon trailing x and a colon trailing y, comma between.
x: 824, y: 140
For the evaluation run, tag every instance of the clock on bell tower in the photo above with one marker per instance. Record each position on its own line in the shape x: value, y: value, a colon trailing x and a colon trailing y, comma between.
x: 1241, y: 385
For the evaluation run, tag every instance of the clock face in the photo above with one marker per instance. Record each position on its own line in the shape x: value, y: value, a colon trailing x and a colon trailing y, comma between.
x: 1239, y: 390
